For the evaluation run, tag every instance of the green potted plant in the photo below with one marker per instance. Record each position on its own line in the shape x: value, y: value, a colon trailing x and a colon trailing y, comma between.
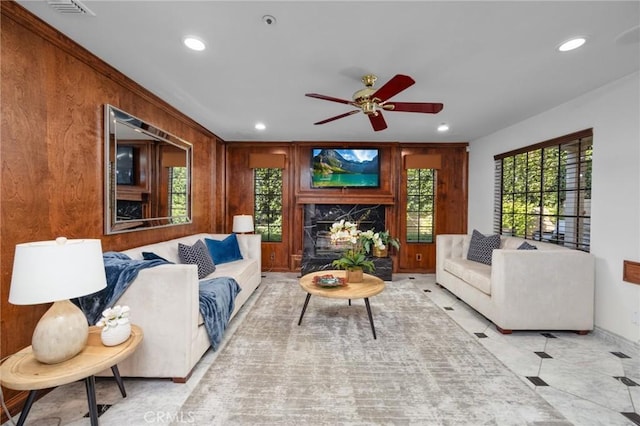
x: 378, y: 243
x: 355, y: 262
x: 352, y: 259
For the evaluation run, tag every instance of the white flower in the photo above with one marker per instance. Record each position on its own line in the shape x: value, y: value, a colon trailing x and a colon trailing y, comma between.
x: 112, y: 317
x: 344, y: 231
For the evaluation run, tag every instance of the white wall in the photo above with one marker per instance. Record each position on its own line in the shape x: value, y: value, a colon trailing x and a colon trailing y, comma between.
x: 613, y: 111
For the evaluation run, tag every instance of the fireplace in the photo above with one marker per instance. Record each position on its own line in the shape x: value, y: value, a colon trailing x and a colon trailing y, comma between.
x: 318, y: 252
x: 318, y: 219
x: 128, y: 210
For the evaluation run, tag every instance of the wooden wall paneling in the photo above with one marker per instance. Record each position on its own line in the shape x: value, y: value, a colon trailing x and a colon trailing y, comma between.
x: 218, y: 211
x: 240, y: 189
x: 451, y: 197
x: 296, y: 223
x: 239, y: 182
x: 54, y: 93
x: 452, y: 208
x: 451, y: 202
x: 25, y: 177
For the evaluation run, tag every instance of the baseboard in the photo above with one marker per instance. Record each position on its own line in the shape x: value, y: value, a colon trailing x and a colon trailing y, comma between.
x: 622, y: 342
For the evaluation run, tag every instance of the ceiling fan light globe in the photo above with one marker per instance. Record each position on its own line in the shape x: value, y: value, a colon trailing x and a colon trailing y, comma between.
x: 363, y: 94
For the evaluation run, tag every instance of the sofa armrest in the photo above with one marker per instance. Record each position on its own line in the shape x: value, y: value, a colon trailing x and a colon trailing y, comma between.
x: 251, y: 247
x: 450, y: 246
x: 544, y: 283
x: 164, y: 302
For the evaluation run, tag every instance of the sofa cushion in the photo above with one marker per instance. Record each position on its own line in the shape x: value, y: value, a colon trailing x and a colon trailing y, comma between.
x: 526, y: 246
x: 199, y: 255
x: 481, y: 247
x: 224, y: 251
x: 456, y: 265
x: 479, y: 277
x: 475, y: 274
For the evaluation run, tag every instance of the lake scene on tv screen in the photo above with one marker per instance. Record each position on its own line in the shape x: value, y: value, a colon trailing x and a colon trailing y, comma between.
x: 345, y: 168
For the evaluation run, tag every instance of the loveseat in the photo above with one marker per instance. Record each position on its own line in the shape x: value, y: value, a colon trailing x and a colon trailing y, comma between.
x: 164, y: 302
x: 547, y: 288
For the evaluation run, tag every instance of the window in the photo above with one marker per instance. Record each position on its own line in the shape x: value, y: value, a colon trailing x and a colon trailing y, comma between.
x: 543, y: 192
x: 178, y: 200
x: 268, y: 203
x: 420, y: 205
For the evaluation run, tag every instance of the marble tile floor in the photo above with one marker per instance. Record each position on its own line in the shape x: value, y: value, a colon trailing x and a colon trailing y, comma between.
x: 592, y: 379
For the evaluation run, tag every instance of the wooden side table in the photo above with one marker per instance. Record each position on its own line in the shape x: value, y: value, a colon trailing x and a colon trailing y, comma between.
x: 370, y: 286
x: 22, y: 371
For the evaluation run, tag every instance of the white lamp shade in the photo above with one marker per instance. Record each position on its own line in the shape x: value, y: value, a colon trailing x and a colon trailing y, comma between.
x: 48, y: 271
x: 243, y: 223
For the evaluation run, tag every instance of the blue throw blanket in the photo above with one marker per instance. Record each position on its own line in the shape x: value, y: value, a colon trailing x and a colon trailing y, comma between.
x: 121, y: 270
x: 217, y: 300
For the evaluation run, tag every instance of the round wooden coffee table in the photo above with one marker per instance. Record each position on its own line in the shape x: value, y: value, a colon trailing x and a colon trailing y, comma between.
x: 370, y: 286
x: 21, y: 371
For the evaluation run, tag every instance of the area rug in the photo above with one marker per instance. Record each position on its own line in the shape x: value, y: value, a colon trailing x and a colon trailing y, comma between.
x: 423, y: 369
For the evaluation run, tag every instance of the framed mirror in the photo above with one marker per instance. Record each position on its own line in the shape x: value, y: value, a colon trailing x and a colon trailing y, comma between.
x: 147, y: 175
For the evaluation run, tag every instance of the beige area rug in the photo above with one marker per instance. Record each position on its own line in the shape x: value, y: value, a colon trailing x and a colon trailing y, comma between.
x: 422, y: 370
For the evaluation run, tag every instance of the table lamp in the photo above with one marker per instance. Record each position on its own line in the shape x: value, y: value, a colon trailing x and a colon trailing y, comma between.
x: 242, y: 223
x: 56, y: 271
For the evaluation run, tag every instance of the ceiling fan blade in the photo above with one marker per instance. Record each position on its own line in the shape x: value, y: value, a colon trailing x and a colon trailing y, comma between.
x: 392, y: 87
x: 377, y: 121
x: 338, y: 116
x: 328, y: 98
x: 425, y: 107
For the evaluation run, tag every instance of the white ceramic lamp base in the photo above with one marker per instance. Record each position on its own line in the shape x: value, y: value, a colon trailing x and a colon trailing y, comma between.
x: 61, y: 333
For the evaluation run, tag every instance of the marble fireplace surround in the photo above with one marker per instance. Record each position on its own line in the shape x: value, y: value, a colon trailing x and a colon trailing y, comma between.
x: 317, y: 255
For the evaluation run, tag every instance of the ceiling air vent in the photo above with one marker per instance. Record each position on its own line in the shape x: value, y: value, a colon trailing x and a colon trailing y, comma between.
x: 70, y: 6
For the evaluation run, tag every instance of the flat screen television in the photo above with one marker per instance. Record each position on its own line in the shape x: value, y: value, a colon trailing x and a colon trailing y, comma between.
x: 345, y: 168
x: 125, y: 173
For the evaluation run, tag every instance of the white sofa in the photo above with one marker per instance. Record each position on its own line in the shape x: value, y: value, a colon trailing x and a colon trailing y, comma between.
x: 551, y: 288
x: 164, y: 302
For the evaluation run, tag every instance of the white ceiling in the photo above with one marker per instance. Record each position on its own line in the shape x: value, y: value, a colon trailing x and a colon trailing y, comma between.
x: 492, y: 64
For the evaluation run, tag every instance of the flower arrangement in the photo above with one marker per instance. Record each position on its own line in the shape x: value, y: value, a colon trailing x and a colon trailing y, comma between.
x: 112, y: 317
x: 355, y: 257
x: 388, y: 240
x: 344, y: 231
x: 370, y: 240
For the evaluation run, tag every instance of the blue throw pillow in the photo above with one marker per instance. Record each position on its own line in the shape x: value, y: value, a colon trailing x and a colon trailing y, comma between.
x: 526, y: 246
x: 481, y: 247
x: 224, y: 251
x: 149, y: 255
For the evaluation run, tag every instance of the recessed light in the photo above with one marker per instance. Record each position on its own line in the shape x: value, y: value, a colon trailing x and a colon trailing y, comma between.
x: 443, y: 127
x: 260, y: 126
x: 571, y: 44
x: 269, y: 20
x: 194, y: 43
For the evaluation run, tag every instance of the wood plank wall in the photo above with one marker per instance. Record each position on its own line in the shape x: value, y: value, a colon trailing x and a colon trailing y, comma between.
x: 53, y: 95
x: 451, y: 195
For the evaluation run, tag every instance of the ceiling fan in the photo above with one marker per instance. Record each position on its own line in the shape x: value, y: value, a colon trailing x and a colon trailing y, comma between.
x: 372, y: 101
